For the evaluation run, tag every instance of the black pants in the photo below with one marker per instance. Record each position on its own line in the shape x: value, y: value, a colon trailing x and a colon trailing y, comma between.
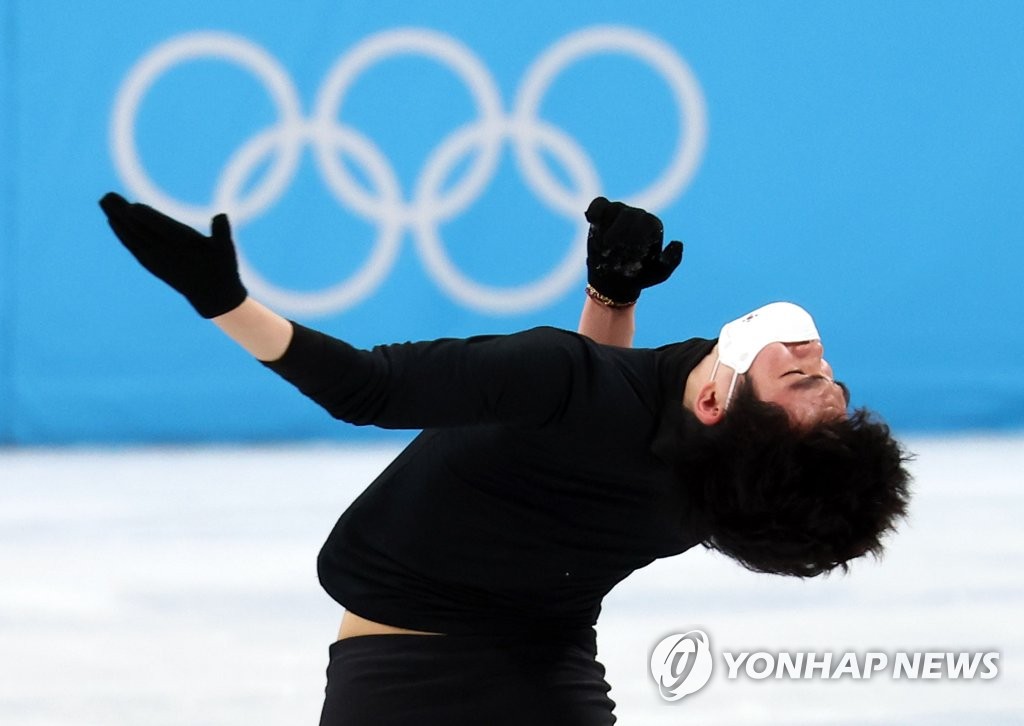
x: 450, y: 680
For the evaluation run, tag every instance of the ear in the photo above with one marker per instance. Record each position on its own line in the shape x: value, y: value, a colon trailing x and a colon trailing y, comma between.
x: 708, y: 407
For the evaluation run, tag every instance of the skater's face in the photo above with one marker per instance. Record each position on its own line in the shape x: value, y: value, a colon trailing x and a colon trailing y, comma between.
x: 797, y: 377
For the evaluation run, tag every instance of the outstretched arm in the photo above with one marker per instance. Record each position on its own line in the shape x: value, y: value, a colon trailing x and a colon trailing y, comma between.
x: 526, y: 378
x: 624, y: 256
x: 203, y: 269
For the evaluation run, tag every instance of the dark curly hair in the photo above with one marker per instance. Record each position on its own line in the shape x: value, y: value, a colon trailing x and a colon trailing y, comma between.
x: 789, y: 500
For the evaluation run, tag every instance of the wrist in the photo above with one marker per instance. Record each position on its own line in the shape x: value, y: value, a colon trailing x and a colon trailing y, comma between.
x: 607, y: 325
x: 214, y: 300
x: 606, y: 301
x: 258, y: 329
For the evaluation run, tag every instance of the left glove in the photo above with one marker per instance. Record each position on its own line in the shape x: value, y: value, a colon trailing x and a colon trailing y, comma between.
x: 203, y: 269
x: 624, y: 251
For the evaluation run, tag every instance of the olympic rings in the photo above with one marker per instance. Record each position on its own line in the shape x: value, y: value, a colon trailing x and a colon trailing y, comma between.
x: 430, y: 203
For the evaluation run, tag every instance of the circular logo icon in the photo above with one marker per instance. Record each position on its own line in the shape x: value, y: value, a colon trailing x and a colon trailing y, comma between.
x: 681, y: 664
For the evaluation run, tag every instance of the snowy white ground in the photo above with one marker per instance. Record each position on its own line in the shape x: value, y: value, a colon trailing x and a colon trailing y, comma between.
x: 177, y: 586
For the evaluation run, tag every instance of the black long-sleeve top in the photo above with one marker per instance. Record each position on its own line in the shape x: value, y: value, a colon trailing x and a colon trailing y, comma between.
x: 531, y: 492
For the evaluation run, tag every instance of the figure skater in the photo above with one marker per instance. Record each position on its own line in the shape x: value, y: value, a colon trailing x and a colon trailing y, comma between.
x: 550, y: 466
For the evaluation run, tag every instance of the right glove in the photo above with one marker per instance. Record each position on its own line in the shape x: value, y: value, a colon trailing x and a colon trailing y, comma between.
x: 203, y: 269
x: 624, y: 252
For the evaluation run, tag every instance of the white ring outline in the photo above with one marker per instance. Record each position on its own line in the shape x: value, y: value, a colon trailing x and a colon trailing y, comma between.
x: 660, y: 56
x: 194, y: 46
x: 368, y: 276
x: 408, y: 41
x: 504, y: 300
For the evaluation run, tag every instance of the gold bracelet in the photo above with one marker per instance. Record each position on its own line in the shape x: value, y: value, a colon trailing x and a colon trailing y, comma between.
x: 605, y: 300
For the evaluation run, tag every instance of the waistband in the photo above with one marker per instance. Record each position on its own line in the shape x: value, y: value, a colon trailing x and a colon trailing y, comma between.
x: 586, y: 641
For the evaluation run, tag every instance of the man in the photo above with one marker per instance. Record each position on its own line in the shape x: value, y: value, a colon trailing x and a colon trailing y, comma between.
x: 550, y: 467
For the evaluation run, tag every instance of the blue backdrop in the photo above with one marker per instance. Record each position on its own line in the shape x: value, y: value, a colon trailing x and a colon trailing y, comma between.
x: 402, y: 170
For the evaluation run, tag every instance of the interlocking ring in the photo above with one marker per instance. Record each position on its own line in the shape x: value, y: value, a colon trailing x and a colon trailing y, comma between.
x: 392, y: 209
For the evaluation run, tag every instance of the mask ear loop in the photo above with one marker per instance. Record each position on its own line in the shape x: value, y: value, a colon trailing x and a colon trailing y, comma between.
x: 732, y: 387
x: 732, y: 383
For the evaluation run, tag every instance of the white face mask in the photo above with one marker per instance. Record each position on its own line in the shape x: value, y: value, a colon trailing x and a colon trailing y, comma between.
x: 741, y: 340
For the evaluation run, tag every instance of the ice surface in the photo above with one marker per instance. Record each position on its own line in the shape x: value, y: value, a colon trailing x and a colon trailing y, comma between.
x: 178, y: 586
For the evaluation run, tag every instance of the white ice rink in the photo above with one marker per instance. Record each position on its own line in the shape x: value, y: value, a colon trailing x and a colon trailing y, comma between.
x: 178, y: 586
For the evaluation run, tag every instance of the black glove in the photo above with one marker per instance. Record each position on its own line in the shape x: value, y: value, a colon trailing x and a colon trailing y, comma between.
x: 203, y: 269
x: 624, y: 251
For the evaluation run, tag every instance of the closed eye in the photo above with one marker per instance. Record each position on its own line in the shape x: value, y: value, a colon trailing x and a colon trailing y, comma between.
x: 809, y: 381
